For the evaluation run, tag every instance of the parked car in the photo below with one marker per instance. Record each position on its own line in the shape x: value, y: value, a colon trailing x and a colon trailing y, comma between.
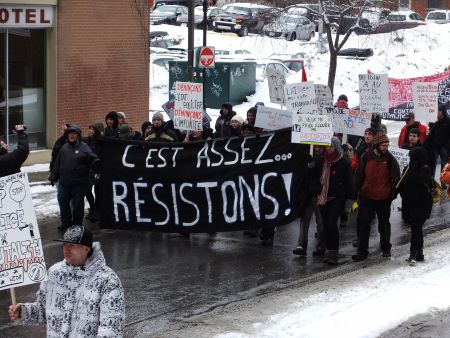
x: 291, y: 27
x: 177, y: 2
x: 243, y: 18
x: 241, y: 54
x: 167, y: 14
x: 162, y: 60
x: 358, y: 53
x: 162, y: 39
x: 296, y: 65
x: 307, y: 11
x: 400, y: 20
x: 438, y: 16
x: 211, y: 14
x: 262, y: 65
x: 348, y: 21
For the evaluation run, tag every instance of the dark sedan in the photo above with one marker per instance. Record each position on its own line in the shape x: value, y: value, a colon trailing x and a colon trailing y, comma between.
x: 167, y: 14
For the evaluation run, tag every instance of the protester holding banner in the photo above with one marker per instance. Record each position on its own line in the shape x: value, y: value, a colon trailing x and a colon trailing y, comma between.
x: 251, y: 118
x: 82, y: 297
x: 438, y: 140
x: 376, y: 177
x: 415, y: 186
x: 11, y: 162
x: 414, y: 139
x: 72, y: 169
x: 121, y: 118
x: 160, y: 130
x: 236, y: 125
x: 311, y: 188
x: 223, y: 128
x: 146, y: 128
x: 336, y: 182
x: 411, y: 123
x: 112, y: 123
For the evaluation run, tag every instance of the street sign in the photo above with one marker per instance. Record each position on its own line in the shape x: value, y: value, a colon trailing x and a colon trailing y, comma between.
x: 206, y: 57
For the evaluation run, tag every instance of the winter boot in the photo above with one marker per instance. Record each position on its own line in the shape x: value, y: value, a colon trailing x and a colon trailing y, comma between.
x: 332, y: 259
x: 420, y: 257
x: 411, y: 261
x: 299, y: 251
x: 319, y: 252
x: 360, y: 256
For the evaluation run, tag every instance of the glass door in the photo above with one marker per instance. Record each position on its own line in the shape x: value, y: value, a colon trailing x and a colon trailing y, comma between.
x: 3, y: 132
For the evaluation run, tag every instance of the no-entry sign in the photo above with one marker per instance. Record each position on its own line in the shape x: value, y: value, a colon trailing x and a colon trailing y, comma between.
x: 206, y: 57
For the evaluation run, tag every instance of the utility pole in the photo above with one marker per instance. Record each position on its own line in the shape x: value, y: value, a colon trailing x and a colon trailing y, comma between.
x: 191, y: 41
x: 205, y: 29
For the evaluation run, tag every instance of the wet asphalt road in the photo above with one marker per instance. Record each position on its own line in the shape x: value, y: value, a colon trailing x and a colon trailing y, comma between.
x: 169, y: 279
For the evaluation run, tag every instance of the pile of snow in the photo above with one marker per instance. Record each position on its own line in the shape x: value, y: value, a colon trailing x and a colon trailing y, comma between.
x: 405, y: 53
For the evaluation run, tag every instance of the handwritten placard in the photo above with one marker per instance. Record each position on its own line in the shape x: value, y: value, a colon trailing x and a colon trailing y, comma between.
x: 272, y: 118
x: 188, y: 110
x: 311, y: 129
x: 349, y: 121
x: 323, y: 95
x: 301, y: 98
x: 21, y: 255
x: 425, y: 98
x: 276, y: 80
x: 374, y: 93
x: 402, y: 156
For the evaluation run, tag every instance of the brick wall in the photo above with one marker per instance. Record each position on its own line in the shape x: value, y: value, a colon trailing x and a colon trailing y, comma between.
x: 102, y: 53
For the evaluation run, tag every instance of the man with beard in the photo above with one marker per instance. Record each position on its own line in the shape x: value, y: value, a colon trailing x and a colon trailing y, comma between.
x: 376, y: 177
x: 10, y: 163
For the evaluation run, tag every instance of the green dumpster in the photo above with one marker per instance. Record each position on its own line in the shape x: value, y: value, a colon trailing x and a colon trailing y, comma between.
x: 229, y: 81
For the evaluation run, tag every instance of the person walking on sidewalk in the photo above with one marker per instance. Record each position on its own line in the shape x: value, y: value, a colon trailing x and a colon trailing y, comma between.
x: 72, y: 169
x: 82, y: 297
x: 376, y: 178
x: 336, y: 182
x: 415, y: 188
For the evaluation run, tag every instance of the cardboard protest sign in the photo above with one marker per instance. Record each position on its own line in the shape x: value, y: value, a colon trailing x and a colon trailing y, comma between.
x: 374, y: 93
x: 401, y: 99
x: 188, y: 110
x: 312, y: 129
x: 21, y: 254
x: 301, y: 98
x: 323, y: 95
x: 273, y: 119
x: 402, y: 156
x: 276, y: 80
x: 349, y: 121
x: 170, y: 105
x: 425, y: 96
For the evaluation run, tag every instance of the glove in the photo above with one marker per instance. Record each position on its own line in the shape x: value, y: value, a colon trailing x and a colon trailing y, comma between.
x: 355, y: 206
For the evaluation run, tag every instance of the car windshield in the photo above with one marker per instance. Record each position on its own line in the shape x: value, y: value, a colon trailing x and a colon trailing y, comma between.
x: 165, y: 9
x: 298, y: 11
x: 397, y: 17
x: 238, y: 10
x: 436, y: 16
x: 287, y: 19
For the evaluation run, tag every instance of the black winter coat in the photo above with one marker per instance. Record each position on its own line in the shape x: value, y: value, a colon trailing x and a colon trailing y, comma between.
x: 73, y: 164
x: 341, y: 184
x: 56, y: 148
x: 439, y: 135
x: 311, y: 186
x: 223, y: 128
x: 10, y: 163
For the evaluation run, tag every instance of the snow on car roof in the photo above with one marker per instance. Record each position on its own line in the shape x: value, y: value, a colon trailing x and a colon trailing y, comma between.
x: 247, y: 5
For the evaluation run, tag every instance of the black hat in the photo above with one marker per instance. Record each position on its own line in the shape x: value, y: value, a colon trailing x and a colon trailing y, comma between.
x: 77, y: 234
x: 343, y: 97
x: 409, y: 116
x: 73, y: 128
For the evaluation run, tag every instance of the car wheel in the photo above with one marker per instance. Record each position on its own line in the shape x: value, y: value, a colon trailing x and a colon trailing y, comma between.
x: 243, y: 31
x: 293, y: 37
x: 311, y: 36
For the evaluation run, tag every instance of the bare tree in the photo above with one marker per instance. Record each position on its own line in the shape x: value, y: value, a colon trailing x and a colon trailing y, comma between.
x: 341, y: 20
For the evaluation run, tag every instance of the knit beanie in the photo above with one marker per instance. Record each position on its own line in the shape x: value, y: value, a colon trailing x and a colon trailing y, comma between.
x: 238, y: 119
x: 380, y: 138
x: 158, y: 115
x: 370, y: 130
x: 336, y: 144
x: 124, y: 130
x: 122, y: 114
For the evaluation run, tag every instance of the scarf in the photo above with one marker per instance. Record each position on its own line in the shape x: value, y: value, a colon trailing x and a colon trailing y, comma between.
x: 325, y: 178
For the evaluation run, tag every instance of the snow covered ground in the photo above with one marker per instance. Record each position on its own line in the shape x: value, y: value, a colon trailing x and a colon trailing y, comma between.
x: 405, y: 53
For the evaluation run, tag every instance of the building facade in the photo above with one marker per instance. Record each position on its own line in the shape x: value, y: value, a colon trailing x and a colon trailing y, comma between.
x: 71, y: 61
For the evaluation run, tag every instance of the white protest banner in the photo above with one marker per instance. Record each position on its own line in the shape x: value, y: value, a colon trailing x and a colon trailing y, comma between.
x: 272, y: 118
x: 188, y: 111
x: 425, y: 98
x: 402, y: 156
x: 323, y: 95
x: 301, y: 98
x: 338, y: 118
x: 357, y: 122
x: 21, y: 255
x: 374, y: 93
x: 311, y: 129
x: 276, y: 80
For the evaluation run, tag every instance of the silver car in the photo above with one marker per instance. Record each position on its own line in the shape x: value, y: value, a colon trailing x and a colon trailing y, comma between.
x: 291, y: 27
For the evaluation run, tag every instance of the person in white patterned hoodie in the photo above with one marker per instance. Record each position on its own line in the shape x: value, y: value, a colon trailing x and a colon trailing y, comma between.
x: 82, y: 296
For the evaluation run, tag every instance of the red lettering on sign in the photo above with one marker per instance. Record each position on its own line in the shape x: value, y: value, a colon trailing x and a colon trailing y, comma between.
x: 30, y: 16
x: 43, y: 19
x: 17, y: 12
x: 4, y: 15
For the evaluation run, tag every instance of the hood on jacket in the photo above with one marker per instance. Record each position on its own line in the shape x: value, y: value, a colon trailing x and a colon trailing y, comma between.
x: 443, y: 109
x: 113, y: 115
x: 226, y: 105
x: 418, y: 156
x: 98, y: 128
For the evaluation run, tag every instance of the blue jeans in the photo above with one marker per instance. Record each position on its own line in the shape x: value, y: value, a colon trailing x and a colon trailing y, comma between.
x: 71, y: 203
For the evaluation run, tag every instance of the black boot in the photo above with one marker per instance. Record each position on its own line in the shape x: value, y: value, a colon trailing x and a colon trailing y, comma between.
x: 359, y: 257
x: 333, y: 256
x: 299, y: 251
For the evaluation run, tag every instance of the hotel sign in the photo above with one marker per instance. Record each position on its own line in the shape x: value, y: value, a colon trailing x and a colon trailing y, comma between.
x: 26, y: 16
